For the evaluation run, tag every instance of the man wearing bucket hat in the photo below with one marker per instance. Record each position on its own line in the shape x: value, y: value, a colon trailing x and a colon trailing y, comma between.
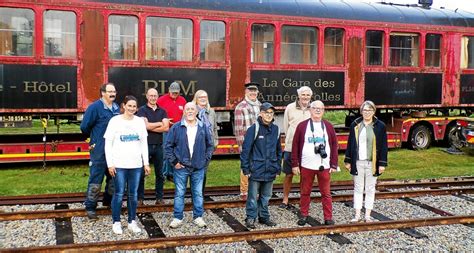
x: 246, y: 114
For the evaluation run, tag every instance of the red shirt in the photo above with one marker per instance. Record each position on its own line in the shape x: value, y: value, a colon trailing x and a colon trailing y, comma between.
x: 174, y: 108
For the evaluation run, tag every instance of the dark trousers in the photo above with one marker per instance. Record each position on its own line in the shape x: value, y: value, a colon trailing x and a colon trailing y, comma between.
x: 156, y: 157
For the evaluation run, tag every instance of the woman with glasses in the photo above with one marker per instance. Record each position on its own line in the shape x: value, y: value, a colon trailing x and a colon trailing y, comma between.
x: 366, y: 157
x: 206, y: 115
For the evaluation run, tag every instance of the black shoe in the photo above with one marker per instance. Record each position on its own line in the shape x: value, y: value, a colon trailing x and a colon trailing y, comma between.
x: 250, y: 223
x: 283, y: 206
x: 328, y: 222
x: 302, y: 221
x: 267, y: 222
x: 92, y: 215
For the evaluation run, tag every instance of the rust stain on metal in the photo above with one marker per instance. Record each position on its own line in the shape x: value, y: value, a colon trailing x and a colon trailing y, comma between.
x: 355, y: 65
x: 92, y: 33
x: 238, y: 59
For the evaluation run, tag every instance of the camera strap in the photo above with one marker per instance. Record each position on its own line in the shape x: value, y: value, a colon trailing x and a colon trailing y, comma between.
x: 312, y: 132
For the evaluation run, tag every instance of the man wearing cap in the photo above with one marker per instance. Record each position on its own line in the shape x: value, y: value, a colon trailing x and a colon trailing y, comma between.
x: 95, y: 121
x: 246, y: 114
x: 156, y: 122
x: 173, y: 104
x: 314, y: 153
x: 260, y: 161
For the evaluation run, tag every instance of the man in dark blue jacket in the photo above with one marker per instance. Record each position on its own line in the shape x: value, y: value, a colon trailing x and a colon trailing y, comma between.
x: 260, y: 159
x: 189, y: 149
x: 94, y: 123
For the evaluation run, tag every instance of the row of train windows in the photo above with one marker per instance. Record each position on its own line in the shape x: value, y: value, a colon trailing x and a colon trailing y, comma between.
x: 171, y: 39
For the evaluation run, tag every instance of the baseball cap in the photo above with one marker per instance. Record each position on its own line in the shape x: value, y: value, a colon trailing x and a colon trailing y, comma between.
x: 252, y: 86
x: 174, y: 87
x: 265, y: 106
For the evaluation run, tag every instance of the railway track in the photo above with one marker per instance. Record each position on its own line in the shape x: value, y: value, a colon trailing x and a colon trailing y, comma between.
x: 234, y: 190
x: 227, y: 211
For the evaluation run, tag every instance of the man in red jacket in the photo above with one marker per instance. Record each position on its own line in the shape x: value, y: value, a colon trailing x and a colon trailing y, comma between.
x: 314, y: 153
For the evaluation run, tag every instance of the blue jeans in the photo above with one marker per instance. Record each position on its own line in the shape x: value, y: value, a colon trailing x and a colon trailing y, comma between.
x: 97, y: 171
x: 180, y: 181
x: 123, y: 177
x: 258, y: 207
x: 167, y: 168
x: 156, y: 157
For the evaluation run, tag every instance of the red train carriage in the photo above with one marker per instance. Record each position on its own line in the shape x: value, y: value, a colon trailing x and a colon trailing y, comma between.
x: 412, y: 61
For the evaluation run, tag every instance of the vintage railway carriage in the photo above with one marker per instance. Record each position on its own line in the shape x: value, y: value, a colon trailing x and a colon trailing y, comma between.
x: 410, y: 60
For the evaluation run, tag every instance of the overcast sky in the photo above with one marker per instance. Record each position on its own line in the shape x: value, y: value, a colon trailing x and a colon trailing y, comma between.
x: 467, y: 5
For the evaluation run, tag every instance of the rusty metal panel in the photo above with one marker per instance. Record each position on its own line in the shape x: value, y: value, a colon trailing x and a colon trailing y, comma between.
x: 92, y: 72
x: 354, y: 79
x: 238, y: 61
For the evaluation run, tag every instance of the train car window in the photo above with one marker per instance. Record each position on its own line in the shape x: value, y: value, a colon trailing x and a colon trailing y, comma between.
x: 404, y: 49
x: 60, y: 34
x: 16, y: 32
x: 298, y: 45
x: 334, y: 46
x: 263, y: 41
x: 169, y: 39
x: 374, y: 48
x: 212, y: 42
x: 467, y: 52
x: 123, y: 37
x: 433, y: 50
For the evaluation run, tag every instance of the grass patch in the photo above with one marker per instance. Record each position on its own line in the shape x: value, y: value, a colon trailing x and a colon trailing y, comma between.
x: 403, y: 164
x: 37, y: 128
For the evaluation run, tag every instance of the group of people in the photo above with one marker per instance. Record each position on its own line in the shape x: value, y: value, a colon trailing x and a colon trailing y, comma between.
x: 180, y: 137
x: 173, y: 134
x: 311, y: 150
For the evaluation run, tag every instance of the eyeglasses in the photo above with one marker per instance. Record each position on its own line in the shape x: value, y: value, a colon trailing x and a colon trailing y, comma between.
x: 268, y: 113
x: 367, y: 111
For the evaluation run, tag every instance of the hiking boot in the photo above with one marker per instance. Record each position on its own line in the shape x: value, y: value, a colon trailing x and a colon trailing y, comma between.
x: 176, y: 223
x: 134, y: 227
x: 117, y: 228
x: 328, y: 222
x: 283, y: 206
x: 302, y: 221
x: 199, y: 221
x: 250, y: 223
x: 92, y: 215
x: 267, y: 222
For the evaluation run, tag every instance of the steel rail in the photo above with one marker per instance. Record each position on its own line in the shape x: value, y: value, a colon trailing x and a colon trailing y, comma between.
x: 227, y: 190
x: 160, y: 243
x: 51, y: 214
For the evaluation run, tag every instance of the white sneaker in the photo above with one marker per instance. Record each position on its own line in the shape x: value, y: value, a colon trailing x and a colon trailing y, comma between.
x: 199, y: 221
x: 134, y: 227
x: 117, y: 228
x: 175, y: 223
x: 356, y: 220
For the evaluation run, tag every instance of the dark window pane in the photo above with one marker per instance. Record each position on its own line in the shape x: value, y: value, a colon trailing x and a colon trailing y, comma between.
x: 60, y: 34
x: 212, y: 42
x: 16, y: 32
x: 298, y: 45
x: 333, y: 46
x: 374, y: 47
x: 404, y: 49
x: 262, y: 43
x: 433, y: 50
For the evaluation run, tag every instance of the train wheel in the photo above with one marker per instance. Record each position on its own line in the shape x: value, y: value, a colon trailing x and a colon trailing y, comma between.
x: 454, y: 139
x: 420, y: 137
